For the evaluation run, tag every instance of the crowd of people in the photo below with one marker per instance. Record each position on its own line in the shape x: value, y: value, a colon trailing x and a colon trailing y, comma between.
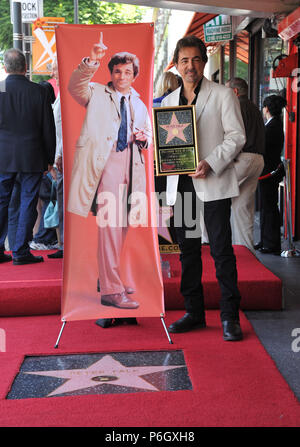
x: 31, y: 166
x: 235, y: 145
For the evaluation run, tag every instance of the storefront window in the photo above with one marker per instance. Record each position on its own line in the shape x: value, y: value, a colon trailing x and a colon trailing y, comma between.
x: 240, y: 56
x: 271, y: 49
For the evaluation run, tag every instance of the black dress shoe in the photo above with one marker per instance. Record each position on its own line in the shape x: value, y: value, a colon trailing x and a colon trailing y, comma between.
x: 5, y: 258
x: 108, y: 322
x: 187, y: 323
x: 232, y: 330
x: 57, y: 255
x: 269, y: 251
x: 28, y: 259
x: 258, y: 246
x: 104, y: 322
x: 130, y: 321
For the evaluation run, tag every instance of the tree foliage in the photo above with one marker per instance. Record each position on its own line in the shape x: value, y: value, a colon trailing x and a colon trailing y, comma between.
x: 93, y: 11
x: 6, y: 29
x: 90, y: 12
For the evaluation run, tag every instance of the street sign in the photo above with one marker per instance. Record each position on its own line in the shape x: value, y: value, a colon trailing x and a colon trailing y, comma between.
x: 218, y: 29
x: 30, y: 10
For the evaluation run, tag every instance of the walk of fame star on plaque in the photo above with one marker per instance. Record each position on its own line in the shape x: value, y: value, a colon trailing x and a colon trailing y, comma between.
x: 105, y: 373
x: 175, y: 140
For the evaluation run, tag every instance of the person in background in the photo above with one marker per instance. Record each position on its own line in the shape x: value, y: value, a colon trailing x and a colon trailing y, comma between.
x: 270, y: 238
x: 57, y: 172
x: 44, y: 238
x: 168, y: 84
x: 248, y: 166
x: 27, y: 148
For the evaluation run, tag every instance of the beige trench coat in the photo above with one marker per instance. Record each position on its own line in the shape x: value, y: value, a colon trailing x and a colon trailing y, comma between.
x: 99, y: 135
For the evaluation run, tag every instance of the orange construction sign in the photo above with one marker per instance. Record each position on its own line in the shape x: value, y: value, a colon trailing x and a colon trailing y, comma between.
x: 44, y: 46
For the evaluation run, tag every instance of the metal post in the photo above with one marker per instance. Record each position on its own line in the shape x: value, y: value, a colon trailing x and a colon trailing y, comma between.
x: 27, y: 48
x: 60, y: 333
x: 76, y: 11
x: 166, y: 330
x: 232, y: 58
x: 291, y: 251
x: 17, y: 26
x: 222, y: 65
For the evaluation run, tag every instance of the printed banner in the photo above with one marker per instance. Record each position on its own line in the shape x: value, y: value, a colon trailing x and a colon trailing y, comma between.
x: 44, y: 45
x: 111, y: 254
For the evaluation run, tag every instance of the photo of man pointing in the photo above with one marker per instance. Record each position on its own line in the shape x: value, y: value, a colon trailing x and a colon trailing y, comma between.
x: 109, y: 159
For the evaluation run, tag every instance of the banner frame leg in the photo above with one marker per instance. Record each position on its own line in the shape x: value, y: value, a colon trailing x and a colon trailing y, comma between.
x: 166, y: 330
x: 64, y: 324
x: 60, y: 334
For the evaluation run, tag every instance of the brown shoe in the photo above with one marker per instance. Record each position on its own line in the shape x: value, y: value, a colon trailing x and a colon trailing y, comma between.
x: 119, y: 300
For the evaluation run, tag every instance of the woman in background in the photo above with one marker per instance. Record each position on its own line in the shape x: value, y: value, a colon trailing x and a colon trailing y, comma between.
x: 169, y: 82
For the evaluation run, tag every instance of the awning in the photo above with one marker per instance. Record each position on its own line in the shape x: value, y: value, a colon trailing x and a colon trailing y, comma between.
x: 242, y: 46
x: 196, y: 28
x: 247, y: 8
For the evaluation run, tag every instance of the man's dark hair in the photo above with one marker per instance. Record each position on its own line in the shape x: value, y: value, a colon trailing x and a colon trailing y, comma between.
x: 14, y: 61
x: 125, y: 58
x: 240, y: 84
x: 190, y: 41
x: 275, y: 104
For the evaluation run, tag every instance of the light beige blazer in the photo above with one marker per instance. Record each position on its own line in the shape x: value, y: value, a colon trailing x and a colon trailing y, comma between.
x: 221, y: 136
x: 99, y: 135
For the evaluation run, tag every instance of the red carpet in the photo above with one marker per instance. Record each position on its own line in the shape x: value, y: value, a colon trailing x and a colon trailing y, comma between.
x: 31, y: 289
x: 36, y: 289
x: 234, y: 384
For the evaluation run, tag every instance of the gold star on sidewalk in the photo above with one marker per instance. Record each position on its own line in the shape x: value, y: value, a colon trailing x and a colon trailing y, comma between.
x: 175, y: 129
x: 105, y: 371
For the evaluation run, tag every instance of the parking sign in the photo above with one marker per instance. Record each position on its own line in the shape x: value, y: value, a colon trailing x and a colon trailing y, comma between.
x: 30, y: 10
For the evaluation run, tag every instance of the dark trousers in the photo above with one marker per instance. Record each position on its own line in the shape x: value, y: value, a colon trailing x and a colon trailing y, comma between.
x: 217, y: 222
x: 29, y: 192
x: 269, y: 214
x: 13, y: 212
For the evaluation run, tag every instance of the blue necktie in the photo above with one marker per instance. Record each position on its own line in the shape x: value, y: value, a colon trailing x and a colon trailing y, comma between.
x: 122, y: 135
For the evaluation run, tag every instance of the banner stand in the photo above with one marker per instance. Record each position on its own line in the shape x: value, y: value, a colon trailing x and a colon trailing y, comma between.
x: 291, y: 251
x: 64, y: 324
x: 60, y: 333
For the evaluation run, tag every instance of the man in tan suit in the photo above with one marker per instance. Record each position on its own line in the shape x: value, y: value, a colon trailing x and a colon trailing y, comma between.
x: 108, y: 161
x: 248, y: 165
x: 221, y: 135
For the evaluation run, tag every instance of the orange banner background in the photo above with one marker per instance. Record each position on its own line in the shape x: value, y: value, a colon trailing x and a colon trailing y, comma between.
x: 80, y: 298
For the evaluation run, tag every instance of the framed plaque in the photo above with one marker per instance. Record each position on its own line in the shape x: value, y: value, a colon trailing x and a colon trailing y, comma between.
x: 175, y: 140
